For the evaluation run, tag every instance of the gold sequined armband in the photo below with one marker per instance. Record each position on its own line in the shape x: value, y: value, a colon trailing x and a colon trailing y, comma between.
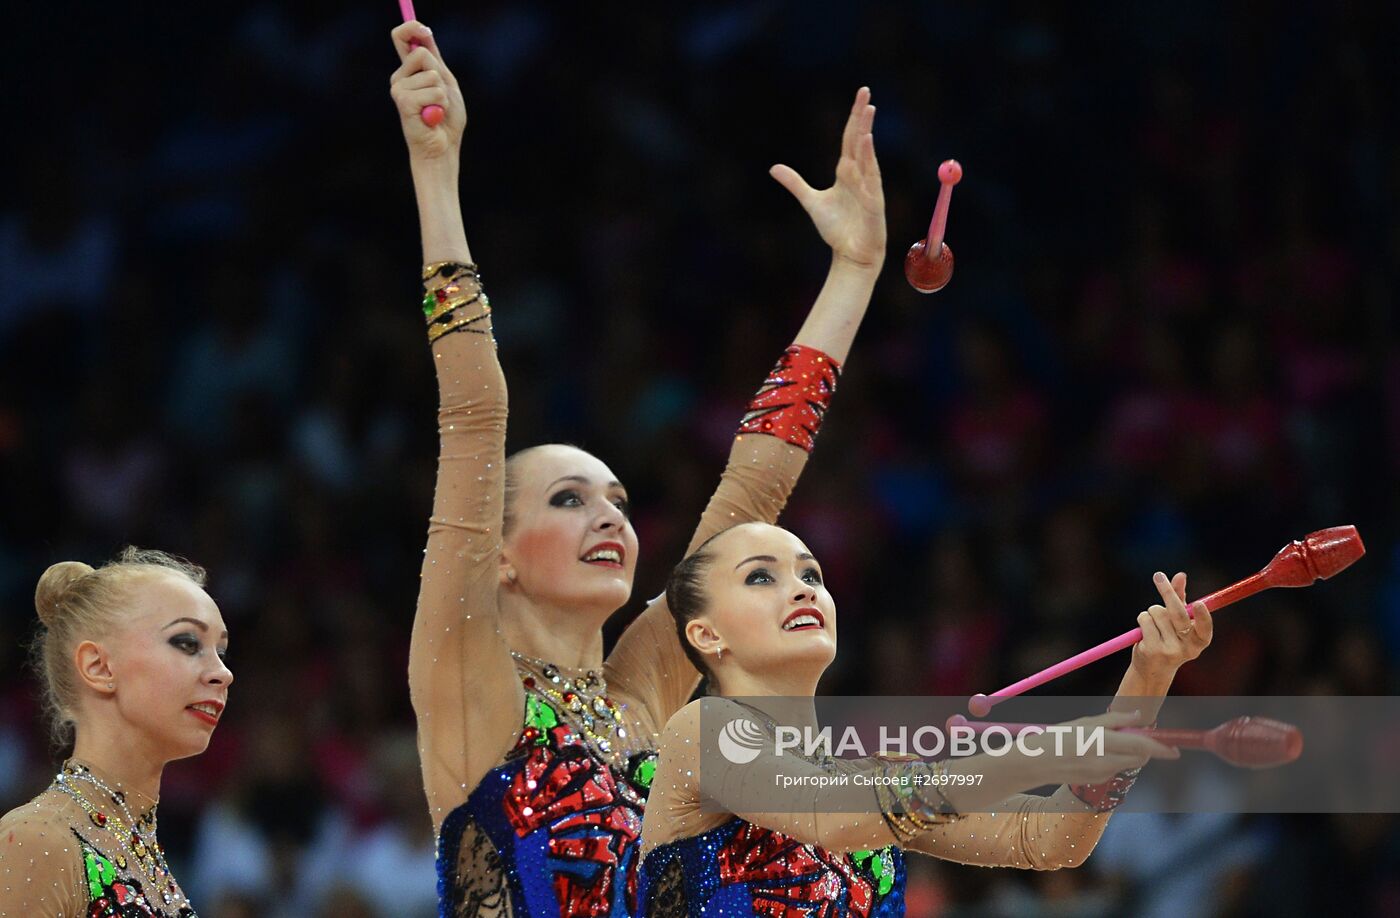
x: 450, y: 287
x: 457, y: 324
x: 448, y: 269
x: 911, y: 799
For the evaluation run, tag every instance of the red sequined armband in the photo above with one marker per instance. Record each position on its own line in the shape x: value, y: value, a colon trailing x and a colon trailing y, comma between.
x: 1105, y: 797
x: 794, y: 397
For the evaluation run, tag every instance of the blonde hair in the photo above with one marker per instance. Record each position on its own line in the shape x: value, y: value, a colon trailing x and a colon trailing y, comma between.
x: 77, y: 602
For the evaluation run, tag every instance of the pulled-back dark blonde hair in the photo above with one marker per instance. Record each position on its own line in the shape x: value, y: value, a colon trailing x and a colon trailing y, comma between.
x: 686, y: 597
x: 77, y: 602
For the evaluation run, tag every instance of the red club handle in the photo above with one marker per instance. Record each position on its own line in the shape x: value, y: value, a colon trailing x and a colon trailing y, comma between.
x: 1247, y: 742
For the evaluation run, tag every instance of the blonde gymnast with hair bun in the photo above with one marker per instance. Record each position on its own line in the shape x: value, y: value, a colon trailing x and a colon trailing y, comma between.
x: 132, y: 659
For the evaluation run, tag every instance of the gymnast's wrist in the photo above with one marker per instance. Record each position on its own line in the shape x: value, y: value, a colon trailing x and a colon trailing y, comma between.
x: 978, y: 782
x: 857, y: 269
x: 912, y: 798
x: 435, y: 173
x: 1149, y: 681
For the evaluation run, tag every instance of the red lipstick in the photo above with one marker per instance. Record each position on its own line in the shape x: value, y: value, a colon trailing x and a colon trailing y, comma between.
x: 211, y: 720
x: 809, y: 610
x: 606, y: 562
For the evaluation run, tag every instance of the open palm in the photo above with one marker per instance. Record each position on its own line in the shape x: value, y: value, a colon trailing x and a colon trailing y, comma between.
x: 850, y: 215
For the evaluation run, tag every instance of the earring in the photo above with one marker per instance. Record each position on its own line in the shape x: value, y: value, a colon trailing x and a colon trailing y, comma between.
x: 111, y: 685
x: 719, y: 654
x: 510, y: 575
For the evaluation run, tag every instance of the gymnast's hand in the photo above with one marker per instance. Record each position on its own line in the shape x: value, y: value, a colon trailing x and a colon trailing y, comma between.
x: 422, y: 80
x: 1053, y: 757
x: 1170, y: 636
x: 850, y: 215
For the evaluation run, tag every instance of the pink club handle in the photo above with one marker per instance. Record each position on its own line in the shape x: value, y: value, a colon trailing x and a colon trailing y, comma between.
x: 949, y: 174
x: 1317, y: 556
x: 980, y: 705
x: 1188, y: 739
x: 928, y: 265
x: 432, y: 115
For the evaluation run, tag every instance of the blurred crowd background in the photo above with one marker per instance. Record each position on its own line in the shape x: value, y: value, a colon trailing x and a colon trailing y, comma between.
x: 1170, y: 344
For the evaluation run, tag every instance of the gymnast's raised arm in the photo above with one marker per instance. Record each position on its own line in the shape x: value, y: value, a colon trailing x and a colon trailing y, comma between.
x: 466, y: 695
x: 778, y: 430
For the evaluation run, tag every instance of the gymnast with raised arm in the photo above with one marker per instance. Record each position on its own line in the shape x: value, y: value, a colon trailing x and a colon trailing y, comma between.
x: 537, y: 752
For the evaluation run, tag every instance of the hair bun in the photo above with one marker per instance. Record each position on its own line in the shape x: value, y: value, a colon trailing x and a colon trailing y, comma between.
x: 54, y: 586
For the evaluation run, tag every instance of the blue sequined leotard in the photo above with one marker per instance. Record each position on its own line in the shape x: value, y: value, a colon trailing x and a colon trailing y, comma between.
x: 554, y: 830
x: 742, y: 870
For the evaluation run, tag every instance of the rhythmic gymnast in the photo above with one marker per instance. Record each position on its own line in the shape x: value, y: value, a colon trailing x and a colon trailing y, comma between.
x: 537, y: 752
x: 132, y: 656
x: 755, y: 615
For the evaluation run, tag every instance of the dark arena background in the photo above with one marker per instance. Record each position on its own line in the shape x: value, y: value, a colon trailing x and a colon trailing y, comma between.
x: 1169, y: 344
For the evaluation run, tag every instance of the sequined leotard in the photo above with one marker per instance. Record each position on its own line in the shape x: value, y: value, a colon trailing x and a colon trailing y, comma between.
x: 814, y: 853
x: 534, y: 817
x: 85, y: 851
x: 742, y: 870
x: 554, y: 829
